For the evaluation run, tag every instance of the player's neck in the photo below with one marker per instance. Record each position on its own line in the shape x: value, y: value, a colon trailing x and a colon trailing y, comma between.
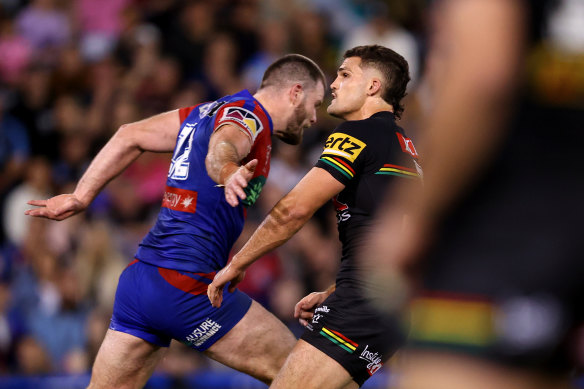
x: 368, y: 109
x: 272, y: 106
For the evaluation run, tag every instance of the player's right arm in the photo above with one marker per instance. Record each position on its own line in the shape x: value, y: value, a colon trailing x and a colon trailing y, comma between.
x: 156, y: 134
x: 228, y: 145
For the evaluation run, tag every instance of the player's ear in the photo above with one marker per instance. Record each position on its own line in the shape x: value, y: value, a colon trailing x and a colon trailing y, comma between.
x: 296, y: 94
x: 374, y: 86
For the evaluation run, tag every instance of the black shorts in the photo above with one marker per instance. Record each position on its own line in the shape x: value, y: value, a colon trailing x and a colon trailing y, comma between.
x: 352, y: 333
x: 505, y: 278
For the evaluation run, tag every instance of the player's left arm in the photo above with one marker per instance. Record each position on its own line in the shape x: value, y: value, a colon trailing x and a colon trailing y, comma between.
x: 227, y: 147
x: 283, y: 221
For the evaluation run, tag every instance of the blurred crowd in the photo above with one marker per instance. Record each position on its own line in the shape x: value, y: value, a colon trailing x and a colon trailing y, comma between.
x: 73, y: 71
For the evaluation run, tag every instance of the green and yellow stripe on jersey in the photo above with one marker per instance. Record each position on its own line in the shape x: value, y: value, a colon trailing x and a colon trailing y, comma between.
x: 400, y: 171
x: 339, y: 339
x: 339, y: 165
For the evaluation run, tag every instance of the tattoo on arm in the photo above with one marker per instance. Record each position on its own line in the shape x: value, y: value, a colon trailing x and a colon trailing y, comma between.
x: 222, y: 160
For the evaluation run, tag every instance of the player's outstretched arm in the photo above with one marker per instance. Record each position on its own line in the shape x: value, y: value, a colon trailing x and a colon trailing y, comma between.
x: 227, y: 147
x: 283, y: 221
x: 156, y: 134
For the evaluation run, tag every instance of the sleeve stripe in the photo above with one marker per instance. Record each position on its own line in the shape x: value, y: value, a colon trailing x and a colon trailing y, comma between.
x: 336, y: 165
x: 398, y: 173
x: 400, y: 167
x: 345, y: 164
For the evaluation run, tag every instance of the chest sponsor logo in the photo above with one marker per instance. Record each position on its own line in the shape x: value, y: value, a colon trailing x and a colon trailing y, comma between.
x: 245, y: 118
x: 407, y: 145
x: 202, y: 333
x: 180, y: 199
x: 373, y: 360
x: 344, y: 145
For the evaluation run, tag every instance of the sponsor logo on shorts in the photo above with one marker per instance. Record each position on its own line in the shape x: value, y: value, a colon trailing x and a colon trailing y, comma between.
x: 344, y: 145
x: 317, y: 315
x: 202, y: 333
x: 324, y: 309
x: 373, y: 359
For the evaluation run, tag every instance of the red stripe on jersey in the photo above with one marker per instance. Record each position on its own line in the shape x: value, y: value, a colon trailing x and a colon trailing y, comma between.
x: 183, y: 113
x: 400, y: 167
x: 185, y: 283
x: 344, y: 164
x: 180, y: 199
x: 133, y: 262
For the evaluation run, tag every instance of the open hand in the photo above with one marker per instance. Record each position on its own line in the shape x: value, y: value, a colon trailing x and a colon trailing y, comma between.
x: 236, y: 182
x: 56, y: 208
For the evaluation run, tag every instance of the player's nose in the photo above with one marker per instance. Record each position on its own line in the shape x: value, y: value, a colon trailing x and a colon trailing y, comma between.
x: 313, y: 118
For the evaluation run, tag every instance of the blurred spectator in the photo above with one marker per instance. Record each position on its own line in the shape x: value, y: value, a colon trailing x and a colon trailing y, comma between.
x: 46, y: 27
x: 242, y: 17
x: 33, y: 107
x: 99, y: 264
x: 186, y: 38
x: 32, y: 359
x: 274, y: 42
x: 74, y: 149
x: 70, y: 75
x: 380, y: 28
x: 284, y: 295
x: 12, y: 328
x: 156, y: 89
x: 15, y: 53
x: 37, y: 182
x: 220, y: 66
x: 62, y: 331
x: 99, y: 23
x: 14, y: 146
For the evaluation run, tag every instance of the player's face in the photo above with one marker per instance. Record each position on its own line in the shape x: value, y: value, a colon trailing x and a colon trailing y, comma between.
x: 349, y: 89
x: 304, y: 114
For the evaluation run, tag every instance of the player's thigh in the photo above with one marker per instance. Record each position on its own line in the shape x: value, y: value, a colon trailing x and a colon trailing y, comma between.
x: 307, y: 367
x: 258, y: 345
x: 124, y: 361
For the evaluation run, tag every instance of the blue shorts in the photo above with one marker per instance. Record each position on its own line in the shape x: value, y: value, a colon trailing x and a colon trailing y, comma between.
x: 158, y: 304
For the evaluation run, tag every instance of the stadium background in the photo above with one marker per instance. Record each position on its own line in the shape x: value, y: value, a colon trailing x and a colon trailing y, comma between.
x: 73, y: 71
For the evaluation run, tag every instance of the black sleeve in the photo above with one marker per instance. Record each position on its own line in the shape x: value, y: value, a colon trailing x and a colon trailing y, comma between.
x: 344, y: 153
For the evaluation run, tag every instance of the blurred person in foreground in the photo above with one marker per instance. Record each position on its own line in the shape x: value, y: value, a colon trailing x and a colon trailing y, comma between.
x: 493, y: 247
x: 345, y: 340
x: 221, y: 161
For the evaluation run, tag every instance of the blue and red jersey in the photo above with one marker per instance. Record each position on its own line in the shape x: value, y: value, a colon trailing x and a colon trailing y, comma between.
x: 196, y: 227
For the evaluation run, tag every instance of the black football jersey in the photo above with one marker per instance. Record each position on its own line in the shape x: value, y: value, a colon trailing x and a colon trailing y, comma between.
x: 366, y: 156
